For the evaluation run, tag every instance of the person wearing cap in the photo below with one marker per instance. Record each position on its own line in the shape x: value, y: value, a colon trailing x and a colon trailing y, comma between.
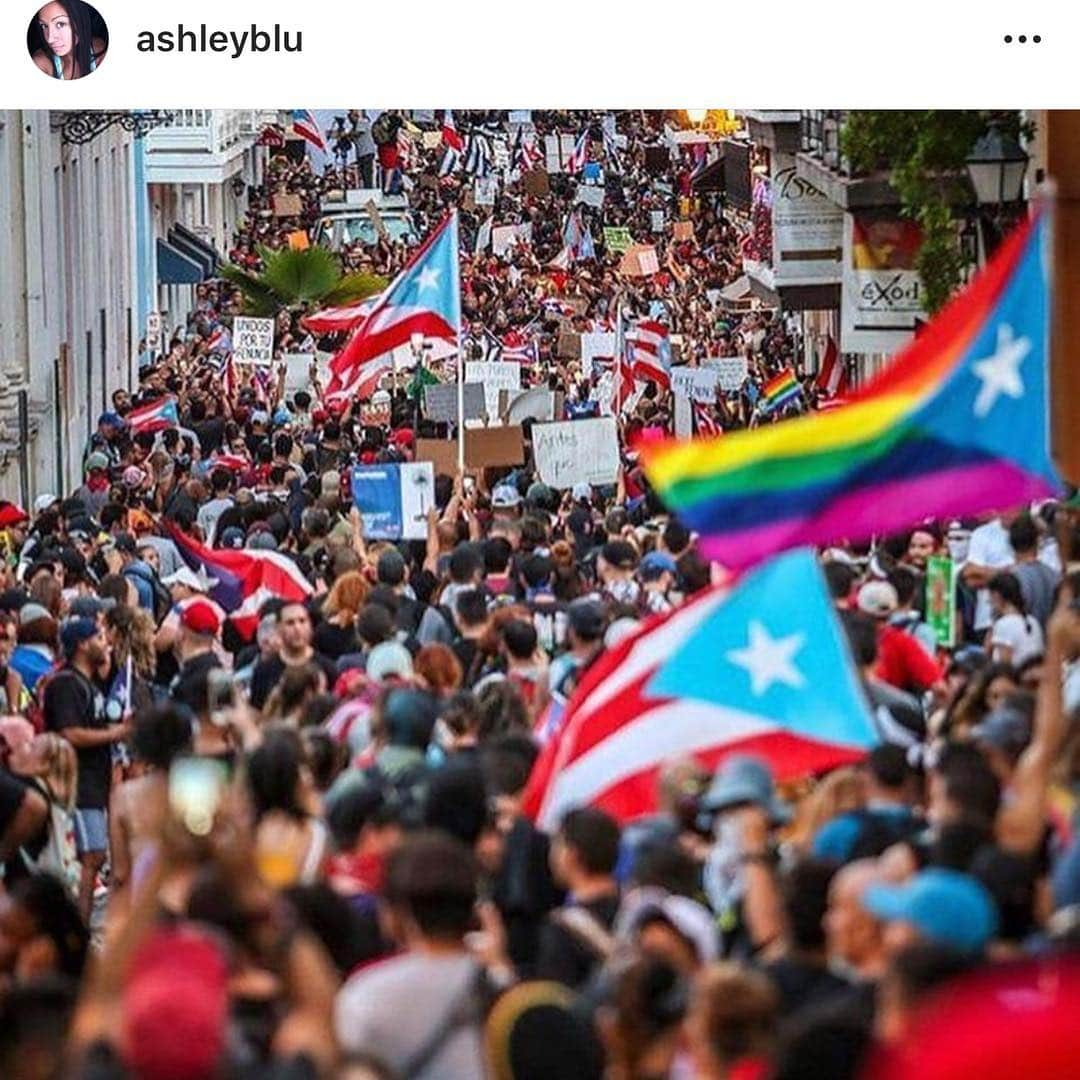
x: 902, y: 662
x: 125, y: 561
x: 74, y: 707
x: 94, y: 492
x: 586, y: 623
x: 185, y: 587
x: 658, y: 573
x: 506, y: 501
x: 615, y: 568
x: 35, y: 653
x: 937, y: 906
x: 103, y: 441
x: 199, y: 626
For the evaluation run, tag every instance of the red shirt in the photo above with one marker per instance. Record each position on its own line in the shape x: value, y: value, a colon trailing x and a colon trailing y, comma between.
x: 903, y: 662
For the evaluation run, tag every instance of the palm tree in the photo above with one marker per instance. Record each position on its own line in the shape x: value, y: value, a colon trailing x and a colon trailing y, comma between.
x: 290, y: 280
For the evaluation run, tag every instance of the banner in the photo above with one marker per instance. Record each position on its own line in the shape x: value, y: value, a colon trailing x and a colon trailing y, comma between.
x: 495, y: 376
x: 577, y: 451
x: 617, y: 238
x: 253, y: 340
x: 807, y: 227
x: 941, y: 599
x: 731, y: 371
x: 695, y: 383
x: 394, y: 499
x: 881, y: 294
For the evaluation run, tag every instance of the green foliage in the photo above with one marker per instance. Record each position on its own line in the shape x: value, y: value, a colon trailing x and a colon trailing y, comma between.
x: 925, y: 154
x: 296, y: 279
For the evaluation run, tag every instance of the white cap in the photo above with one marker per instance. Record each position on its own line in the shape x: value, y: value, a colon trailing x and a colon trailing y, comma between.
x: 43, y: 502
x: 582, y: 491
x: 389, y: 658
x: 878, y: 598
x: 200, y: 582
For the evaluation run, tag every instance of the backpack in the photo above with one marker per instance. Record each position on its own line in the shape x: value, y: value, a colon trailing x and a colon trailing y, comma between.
x: 58, y: 857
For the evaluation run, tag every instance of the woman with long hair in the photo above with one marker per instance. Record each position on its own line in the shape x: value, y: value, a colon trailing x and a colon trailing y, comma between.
x: 336, y: 634
x: 62, y: 40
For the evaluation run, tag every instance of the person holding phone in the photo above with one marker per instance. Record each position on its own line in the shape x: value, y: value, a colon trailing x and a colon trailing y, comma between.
x: 67, y: 48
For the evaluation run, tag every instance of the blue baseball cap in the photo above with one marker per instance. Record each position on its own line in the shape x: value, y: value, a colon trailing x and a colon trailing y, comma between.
x: 656, y: 563
x: 75, y: 631
x: 111, y: 418
x: 945, y: 906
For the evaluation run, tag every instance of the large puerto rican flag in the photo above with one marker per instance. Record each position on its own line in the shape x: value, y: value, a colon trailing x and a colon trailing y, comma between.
x: 335, y: 320
x: 307, y: 127
x: 425, y: 298
x: 652, y: 353
x: 747, y: 671
x: 246, y: 578
x: 154, y: 416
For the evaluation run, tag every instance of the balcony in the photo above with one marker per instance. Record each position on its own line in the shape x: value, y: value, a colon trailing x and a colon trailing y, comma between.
x: 821, y: 163
x: 200, y: 146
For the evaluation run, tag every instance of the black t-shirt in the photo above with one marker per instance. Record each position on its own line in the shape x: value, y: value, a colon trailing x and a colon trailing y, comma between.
x: 190, y: 685
x: 564, y: 955
x: 267, y: 673
x: 209, y: 433
x: 335, y: 641
x: 72, y: 700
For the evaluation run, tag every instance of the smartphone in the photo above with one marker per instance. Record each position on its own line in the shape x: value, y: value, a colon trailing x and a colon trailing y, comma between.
x: 220, y: 696
x: 196, y: 788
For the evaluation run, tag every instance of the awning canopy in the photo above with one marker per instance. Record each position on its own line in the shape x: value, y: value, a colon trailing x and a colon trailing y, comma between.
x: 197, y: 254
x: 711, y: 178
x: 191, y: 239
x: 177, y: 268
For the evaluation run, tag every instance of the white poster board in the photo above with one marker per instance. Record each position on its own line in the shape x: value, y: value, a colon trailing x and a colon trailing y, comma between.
x: 153, y: 331
x: 417, y: 498
x: 495, y: 375
x: 253, y: 340
x: 503, y: 238
x: 684, y: 419
x: 485, y: 189
x: 600, y: 345
x: 298, y: 370
x: 731, y: 371
x: 695, y: 383
x: 657, y: 219
x: 590, y: 195
x: 538, y: 403
x: 577, y: 451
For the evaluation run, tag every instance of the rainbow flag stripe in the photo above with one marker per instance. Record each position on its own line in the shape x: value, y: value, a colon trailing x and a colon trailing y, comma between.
x: 958, y: 424
x: 780, y: 389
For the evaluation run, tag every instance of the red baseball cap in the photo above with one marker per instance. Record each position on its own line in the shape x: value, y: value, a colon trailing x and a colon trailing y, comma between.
x: 10, y: 514
x: 200, y: 618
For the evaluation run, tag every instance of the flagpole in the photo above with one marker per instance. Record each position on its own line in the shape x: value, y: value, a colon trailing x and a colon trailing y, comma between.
x: 460, y: 373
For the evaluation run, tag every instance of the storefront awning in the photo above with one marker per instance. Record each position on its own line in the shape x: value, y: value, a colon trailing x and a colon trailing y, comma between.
x: 196, y: 254
x: 175, y: 267
x: 193, y: 240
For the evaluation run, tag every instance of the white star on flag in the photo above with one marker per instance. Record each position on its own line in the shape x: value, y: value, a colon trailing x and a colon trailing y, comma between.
x: 1000, y: 373
x: 769, y: 660
x: 429, y: 277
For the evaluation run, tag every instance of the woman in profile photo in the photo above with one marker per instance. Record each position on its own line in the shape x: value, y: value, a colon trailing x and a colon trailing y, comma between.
x: 68, y: 39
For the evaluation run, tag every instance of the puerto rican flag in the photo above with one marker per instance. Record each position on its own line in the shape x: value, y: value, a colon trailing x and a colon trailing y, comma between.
x: 651, y: 350
x: 232, y: 462
x: 220, y: 340
x: 739, y: 672
x: 335, y: 320
x: 307, y: 127
x: 425, y: 298
x: 518, y: 348
x: 362, y: 382
x: 246, y: 578
x: 450, y: 135
x: 579, y: 156
x: 526, y: 154
x: 154, y: 416
x: 832, y: 378
x: 705, y: 422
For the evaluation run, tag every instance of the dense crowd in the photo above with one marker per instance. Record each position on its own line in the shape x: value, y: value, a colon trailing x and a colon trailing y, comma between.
x: 295, y: 844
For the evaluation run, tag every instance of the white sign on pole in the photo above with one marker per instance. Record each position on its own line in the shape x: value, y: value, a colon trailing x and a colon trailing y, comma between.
x: 503, y: 238
x: 577, y: 451
x: 153, y: 331
x: 253, y: 340
x: 598, y: 345
x: 731, y: 371
x: 495, y: 375
x: 696, y: 383
x: 552, y: 157
x: 684, y: 424
x: 417, y: 497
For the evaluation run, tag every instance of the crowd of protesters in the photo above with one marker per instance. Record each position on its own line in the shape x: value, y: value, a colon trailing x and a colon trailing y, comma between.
x: 298, y: 848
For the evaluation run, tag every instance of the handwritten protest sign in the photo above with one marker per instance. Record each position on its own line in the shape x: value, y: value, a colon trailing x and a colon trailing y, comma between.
x: 684, y: 417
x: 394, y: 499
x: 657, y: 219
x: 253, y: 340
x: 287, y: 205
x: 578, y: 451
x: 298, y: 370
x: 495, y: 376
x: 731, y: 371
x: 682, y: 230
x: 536, y: 182
x: 537, y: 403
x: 617, y: 238
x: 696, y: 384
x: 568, y: 345
x: 941, y: 599
x: 503, y: 238
x: 441, y: 404
x: 639, y: 261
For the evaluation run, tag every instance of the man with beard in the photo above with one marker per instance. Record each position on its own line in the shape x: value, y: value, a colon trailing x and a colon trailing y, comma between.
x: 74, y: 706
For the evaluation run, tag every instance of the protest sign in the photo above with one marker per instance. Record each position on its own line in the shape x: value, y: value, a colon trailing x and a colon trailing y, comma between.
x: 684, y: 417
x: 537, y: 403
x: 536, y: 182
x: 503, y: 238
x: 518, y: 117
x: 590, y: 195
x: 394, y: 499
x: 153, y: 331
x: 682, y: 230
x: 731, y: 371
x: 298, y: 370
x: 568, y: 345
x: 495, y: 376
x: 597, y: 346
x: 486, y: 447
x: 483, y: 236
x: 253, y: 340
x: 431, y: 140
x: 299, y: 240
x: 639, y: 261
x: 287, y: 205
x: 376, y: 219
x: 657, y: 219
x: 941, y: 599
x: 617, y: 238
x: 441, y: 402
x: 485, y: 188
x: 577, y: 451
x: 695, y: 383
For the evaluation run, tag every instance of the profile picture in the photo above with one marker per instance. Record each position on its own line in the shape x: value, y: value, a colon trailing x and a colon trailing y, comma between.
x: 67, y: 39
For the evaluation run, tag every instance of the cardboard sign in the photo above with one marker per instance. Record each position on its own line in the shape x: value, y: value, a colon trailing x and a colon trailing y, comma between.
x: 536, y: 182
x: 639, y: 261
x: 695, y: 383
x: 590, y: 195
x: 568, y: 346
x: 483, y: 447
x: 617, y: 238
x: 682, y: 230
x: 253, y: 340
x: 287, y: 205
x: 441, y: 402
x: 941, y: 599
x: 495, y: 376
x: 485, y: 189
x: 394, y: 500
x: 731, y: 371
x: 299, y: 240
x: 577, y: 451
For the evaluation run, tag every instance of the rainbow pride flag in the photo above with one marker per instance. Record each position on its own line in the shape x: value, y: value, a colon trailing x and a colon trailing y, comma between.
x: 958, y: 424
x: 779, y: 390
